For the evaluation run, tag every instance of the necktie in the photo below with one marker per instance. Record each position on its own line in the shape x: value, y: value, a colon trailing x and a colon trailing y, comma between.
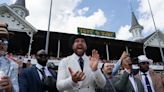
x: 43, y: 73
x: 81, y: 62
x: 147, y: 83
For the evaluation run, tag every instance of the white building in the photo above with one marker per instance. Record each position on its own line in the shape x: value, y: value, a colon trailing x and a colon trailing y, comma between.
x: 14, y: 15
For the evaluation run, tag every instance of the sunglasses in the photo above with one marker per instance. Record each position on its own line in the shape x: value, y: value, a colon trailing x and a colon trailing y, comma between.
x: 4, y: 41
x: 43, y: 55
x: 143, y: 63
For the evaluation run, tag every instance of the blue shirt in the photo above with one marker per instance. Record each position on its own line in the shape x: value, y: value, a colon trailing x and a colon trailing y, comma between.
x: 10, y: 68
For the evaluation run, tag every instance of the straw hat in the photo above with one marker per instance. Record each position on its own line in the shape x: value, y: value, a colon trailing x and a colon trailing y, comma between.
x: 4, y: 31
x: 143, y: 58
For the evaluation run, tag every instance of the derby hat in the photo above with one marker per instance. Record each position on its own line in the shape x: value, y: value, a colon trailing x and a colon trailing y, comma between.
x: 74, y: 37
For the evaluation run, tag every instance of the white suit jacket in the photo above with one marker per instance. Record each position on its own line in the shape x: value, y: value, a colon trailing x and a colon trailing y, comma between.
x: 64, y: 80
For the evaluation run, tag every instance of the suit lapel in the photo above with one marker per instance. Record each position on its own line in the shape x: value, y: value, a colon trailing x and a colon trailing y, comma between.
x: 110, y: 84
x: 153, y: 78
x: 138, y: 84
x: 52, y: 73
x: 138, y: 76
x: 36, y: 74
x: 130, y: 85
x: 75, y: 64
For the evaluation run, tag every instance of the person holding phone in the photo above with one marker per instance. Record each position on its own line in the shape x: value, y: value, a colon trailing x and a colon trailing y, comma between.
x: 8, y: 68
x: 126, y: 81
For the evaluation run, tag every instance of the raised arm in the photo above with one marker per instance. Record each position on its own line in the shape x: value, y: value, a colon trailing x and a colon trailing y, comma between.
x: 97, y: 74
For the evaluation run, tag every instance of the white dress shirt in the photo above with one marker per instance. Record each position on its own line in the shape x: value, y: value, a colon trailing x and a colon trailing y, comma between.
x: 150, y: 81
x: 131, y: 78
x: 47, y: 72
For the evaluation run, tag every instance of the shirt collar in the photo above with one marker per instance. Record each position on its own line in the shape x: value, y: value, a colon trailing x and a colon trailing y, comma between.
x: 40, y: 66
x: 3, y: 55
x: 147, y: 73
x: 77, y: 57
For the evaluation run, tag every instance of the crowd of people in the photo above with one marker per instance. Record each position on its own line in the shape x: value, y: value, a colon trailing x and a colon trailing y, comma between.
x: 77, y: 72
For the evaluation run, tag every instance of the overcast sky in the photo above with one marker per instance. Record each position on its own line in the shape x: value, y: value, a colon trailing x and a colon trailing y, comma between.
x: 106, y: 15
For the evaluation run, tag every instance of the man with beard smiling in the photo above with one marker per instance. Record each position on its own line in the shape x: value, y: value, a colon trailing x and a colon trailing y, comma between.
x: 78, y: 72
x: 33, y: 79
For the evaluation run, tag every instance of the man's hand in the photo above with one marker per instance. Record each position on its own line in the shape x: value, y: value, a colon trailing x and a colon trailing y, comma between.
x: 124, y: 55
x: 76, y: 76
x: 5, y: 84
x: 127, y: 63
x: 94, y: 60
x: 122, y: 71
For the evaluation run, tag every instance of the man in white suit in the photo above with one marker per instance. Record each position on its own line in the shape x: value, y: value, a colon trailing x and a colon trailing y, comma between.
x: 78, y: 72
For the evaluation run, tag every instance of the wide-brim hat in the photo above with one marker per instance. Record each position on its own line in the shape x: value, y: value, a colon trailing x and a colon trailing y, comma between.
x: 143, y: 58
x: 4, y: 31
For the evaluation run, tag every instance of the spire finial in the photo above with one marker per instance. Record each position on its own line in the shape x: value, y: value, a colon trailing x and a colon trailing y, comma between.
x: 130, y: 3
x: 21, y: 3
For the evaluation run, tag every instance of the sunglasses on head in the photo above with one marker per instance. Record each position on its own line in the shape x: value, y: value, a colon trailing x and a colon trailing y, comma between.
x: 143, y: 63
x: 41, y: 55
x: 4, y: 41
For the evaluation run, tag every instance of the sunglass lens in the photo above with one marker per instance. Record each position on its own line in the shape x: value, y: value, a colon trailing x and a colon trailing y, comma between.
x: 4, y: 42
x: 145, y: 63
